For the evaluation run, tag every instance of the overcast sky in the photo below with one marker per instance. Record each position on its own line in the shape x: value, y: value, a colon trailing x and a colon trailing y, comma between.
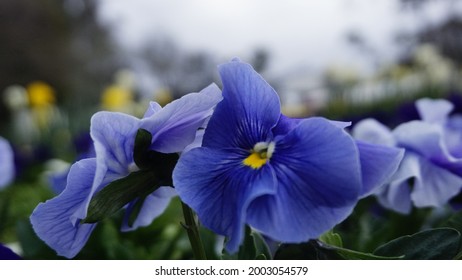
x: 296, y: 33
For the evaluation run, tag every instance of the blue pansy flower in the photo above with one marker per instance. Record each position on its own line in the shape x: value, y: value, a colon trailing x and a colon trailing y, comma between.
x: 291, y: 179
x: 58, y: 221
x: 431, y: 171
x: 7, y: 169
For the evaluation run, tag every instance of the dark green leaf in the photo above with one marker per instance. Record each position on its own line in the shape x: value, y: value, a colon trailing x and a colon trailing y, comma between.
x: 143, y: 141
x: 304, y: 251
x: 348, y: 254
x: 120, y: 192
x: 434, y: 244
x: 253, y: 247
x: 145, y: 158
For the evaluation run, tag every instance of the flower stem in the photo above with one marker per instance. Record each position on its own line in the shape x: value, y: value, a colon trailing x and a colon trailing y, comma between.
x: 193, y: 233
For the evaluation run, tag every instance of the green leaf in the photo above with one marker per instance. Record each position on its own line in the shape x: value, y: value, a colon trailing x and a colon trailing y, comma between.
x: 143, y: 141
x: 332, y: 239
x: 117, y: 194
x: 253, y: 247
x: 333, y: 242
x: 348, y: 254
x: 145, y: 158
x: 305, y: 251
x: 434, y: 244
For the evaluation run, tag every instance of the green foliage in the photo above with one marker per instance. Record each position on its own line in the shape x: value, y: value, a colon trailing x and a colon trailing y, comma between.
x: 434, y: 244
x: 252, y: 248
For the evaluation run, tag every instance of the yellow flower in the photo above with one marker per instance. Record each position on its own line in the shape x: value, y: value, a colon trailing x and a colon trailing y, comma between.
x: 116, y: 98
x: 40, y: 94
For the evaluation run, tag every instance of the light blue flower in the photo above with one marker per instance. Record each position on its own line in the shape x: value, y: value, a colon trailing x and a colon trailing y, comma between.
x: 291, y: 179
x: 7, y: 169
x: 58, y: 221
x: 431, y: 171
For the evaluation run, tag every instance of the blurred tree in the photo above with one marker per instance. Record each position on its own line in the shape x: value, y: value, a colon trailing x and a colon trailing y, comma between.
x: 445, y: 35
x: 60, y: 42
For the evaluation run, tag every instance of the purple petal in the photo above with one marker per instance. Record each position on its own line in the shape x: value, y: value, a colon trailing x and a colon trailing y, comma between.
x: 434, y: 111
x: 378, y: 164
x: 371, y: 131
x: 428, y: 140
x: 54, y: 221
x: 7, y: 254
x: 153, y: 206
x: 174, y: 126
x: 435, y: 186
x: 114, y: 139
x: 249, y: 110
x: 219, y: 188
x: 6, y: 163
x: 396, y: 196
x: 153, y: 108
x: 318, y: 172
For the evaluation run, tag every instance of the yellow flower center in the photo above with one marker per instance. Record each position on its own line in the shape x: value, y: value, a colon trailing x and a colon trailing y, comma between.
x: 260, y: 154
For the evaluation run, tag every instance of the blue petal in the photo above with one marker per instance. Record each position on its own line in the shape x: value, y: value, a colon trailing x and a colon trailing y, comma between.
x: 216, y: 185
x: 153, y: 108
x: 54, y: 221
x: 434, y: 110
x: 378, y: 164
x: 435, y: 186
x: 285, y: 125
x: 114, y: 140
x: 7, y: 254
x: 371, y: 131
x: 397, y: 195
x: 319, y: 180
x: 153, y: 206
x: 6, y: 163
x: 249, y: 110
x: 428, y: 140
x: 453, y: 135
x: 174, y: 126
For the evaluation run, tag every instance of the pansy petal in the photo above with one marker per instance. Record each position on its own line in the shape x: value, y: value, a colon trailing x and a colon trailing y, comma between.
x: 435, y: 186
x: 428, y: 140
x: 249, y: 110
x: 153, y: 108
x: 175, y: 125
x: 371, y: 131
x: 114, y: 140
x: 52, y: 220
x: 153, y: 206
x: 434, y: 111
x: 378, y: 164
x: 312, y: 164
x: 6, y: 163
x: 285, y: 125
x: 219, y: 188
x: 7, y: 254
x: 397, y: 195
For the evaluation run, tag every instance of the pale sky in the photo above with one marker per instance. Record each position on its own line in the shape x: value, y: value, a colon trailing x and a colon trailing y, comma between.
x: 296, y: 33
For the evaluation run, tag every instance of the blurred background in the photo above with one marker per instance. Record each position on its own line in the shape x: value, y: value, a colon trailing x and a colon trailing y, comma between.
x: 63, y: 60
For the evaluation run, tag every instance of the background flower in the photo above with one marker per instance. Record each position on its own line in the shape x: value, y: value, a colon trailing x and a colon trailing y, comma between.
x: 430, y: 173
x: 6, y: 163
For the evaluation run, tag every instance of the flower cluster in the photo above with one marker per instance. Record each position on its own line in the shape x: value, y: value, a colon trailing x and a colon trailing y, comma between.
x: 431, y: 171
x: 236, y: 160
